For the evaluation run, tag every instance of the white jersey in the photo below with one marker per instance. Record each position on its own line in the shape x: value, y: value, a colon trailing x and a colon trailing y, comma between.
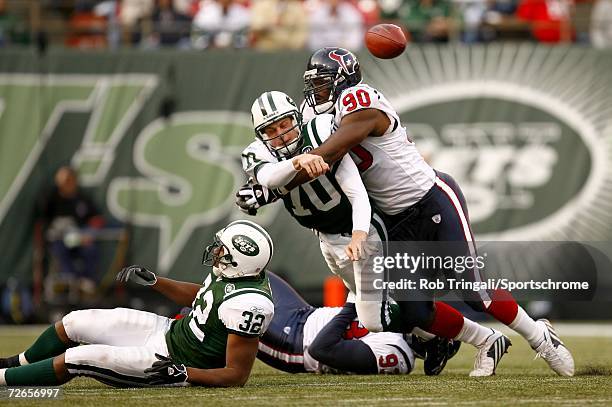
x: 390, y: 349
x: 393, y: 171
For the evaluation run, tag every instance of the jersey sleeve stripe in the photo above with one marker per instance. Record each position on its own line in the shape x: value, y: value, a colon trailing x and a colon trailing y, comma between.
x: 405, y: 356
x: 240, y: 333
x: 314, y: 132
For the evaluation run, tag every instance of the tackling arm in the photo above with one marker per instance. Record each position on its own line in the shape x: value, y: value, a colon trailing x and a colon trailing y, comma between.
x: 240, y: 356
x: 353, y: 129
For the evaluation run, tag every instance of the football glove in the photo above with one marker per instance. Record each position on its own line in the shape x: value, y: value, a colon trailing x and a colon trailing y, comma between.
x: 251, y: 196
x: 137, y: 274
x: 166, y: 371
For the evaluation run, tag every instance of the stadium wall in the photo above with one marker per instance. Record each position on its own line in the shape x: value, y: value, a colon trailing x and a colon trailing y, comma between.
x: 525, y: 130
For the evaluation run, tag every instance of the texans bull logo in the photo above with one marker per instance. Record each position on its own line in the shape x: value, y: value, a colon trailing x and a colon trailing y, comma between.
x: 347, y: 61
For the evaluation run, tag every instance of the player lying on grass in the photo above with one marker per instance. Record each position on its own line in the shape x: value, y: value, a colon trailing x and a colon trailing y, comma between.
x: 336, y: 206
x: 215, y: 345
x: 302, y: 338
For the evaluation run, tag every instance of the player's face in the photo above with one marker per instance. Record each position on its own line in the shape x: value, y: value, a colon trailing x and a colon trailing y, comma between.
x: 281, y: 133
x: 322, y: 89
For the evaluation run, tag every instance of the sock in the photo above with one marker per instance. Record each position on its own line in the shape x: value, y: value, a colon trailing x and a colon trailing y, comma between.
x: 447, y: 321
x: 473, y: 333
x: 527, y: 328
x: 46, y: 346
x: 36, y: 374
x: 503, y: 307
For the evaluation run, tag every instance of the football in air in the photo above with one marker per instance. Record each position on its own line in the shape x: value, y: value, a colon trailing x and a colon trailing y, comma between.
x: 385, y: 41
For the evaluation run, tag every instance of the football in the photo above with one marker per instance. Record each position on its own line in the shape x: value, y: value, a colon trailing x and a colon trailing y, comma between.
x: 385, y: 41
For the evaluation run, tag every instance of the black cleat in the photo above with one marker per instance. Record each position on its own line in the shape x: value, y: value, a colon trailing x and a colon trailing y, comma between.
x: 13, y: 361
x: 439, y: 351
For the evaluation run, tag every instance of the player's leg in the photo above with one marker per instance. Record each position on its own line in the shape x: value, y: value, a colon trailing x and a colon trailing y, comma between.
x: 47, y: 372
x: 281, y: 346
x: 119, y: 327
x: 500, y: 304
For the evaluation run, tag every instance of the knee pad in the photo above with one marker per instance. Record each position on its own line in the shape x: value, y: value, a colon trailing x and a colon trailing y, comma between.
x: 75, y: 322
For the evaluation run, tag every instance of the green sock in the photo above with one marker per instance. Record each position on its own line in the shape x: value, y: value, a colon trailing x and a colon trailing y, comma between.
x: 46, y: 346
x: 36, y: 374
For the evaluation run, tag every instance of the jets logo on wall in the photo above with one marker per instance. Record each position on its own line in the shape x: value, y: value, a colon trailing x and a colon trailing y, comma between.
x: 522, y: 131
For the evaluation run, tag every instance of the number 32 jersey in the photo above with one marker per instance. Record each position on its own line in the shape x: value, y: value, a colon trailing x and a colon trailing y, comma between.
x: 393, y: 171
x: 222, y: 306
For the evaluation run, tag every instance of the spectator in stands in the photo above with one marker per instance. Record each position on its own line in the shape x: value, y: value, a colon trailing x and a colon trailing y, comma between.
x: 551, y: 20
x: 601, y: 24
x: 169, y: 27
x: 221, y: 24
x: 13, y: 29
x: 278, y: 24
x: 427, y: 20
x: 131, y: 13
x: 86, y: 28
x: 68, y: 221
x: 335, y: 23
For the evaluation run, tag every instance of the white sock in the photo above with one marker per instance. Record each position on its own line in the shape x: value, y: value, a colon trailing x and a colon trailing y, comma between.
x: 527, y: 328
x: 473, y: 333
x: 423, y: 334
x: 2, y: 379
x: 22, y: 359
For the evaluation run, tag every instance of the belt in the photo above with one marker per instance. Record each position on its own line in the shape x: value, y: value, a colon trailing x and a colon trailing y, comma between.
x: 410, y: 212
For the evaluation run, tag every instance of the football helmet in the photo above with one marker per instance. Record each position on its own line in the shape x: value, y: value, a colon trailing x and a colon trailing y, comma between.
x: 270, y: 108
x: 329, y: 71
x: 241, y: 249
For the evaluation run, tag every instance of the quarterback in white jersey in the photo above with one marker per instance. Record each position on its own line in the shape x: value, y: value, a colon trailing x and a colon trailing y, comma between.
x: 334, y: 205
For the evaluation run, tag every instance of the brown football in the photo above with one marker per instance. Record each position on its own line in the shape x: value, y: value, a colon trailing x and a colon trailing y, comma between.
x: 385, y: 41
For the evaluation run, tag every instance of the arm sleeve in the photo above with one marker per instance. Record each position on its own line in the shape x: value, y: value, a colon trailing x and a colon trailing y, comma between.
x: 350, y: 181
x: 247, y: 314
x: 331, y: 349
x: 276, y: 175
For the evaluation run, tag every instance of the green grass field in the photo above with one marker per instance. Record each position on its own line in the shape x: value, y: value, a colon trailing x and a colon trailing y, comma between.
x: 520, y: 380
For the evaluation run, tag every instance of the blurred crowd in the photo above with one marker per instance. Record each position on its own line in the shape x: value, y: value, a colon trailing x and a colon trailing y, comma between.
x: 298, y: 24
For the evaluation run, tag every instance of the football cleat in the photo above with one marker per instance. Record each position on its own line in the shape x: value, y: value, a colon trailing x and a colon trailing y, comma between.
x: 438, y: 352
x: 489, y: 354
x: 553, y: 351
x: 13, y: 361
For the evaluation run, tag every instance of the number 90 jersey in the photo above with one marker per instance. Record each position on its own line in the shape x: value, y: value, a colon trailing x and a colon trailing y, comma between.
x: 393, y: 171
x: 222, y: 306
x: 319, y: 204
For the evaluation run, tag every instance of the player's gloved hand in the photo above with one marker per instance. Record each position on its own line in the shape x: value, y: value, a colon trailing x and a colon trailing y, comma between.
x: 137, y: 274
x: 166, y: 371
x: 251, y: 196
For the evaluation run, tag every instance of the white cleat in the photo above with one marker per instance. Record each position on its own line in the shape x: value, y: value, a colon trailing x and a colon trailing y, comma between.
x: 489, y: 354
x: 553, y: 351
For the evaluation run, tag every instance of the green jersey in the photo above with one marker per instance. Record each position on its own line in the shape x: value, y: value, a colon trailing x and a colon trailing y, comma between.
x: 319, y: 204
x: 222, y: 306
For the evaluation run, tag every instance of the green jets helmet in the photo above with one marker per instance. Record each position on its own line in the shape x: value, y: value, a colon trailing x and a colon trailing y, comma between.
x: 241, y: 249
x: 269, y: 108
